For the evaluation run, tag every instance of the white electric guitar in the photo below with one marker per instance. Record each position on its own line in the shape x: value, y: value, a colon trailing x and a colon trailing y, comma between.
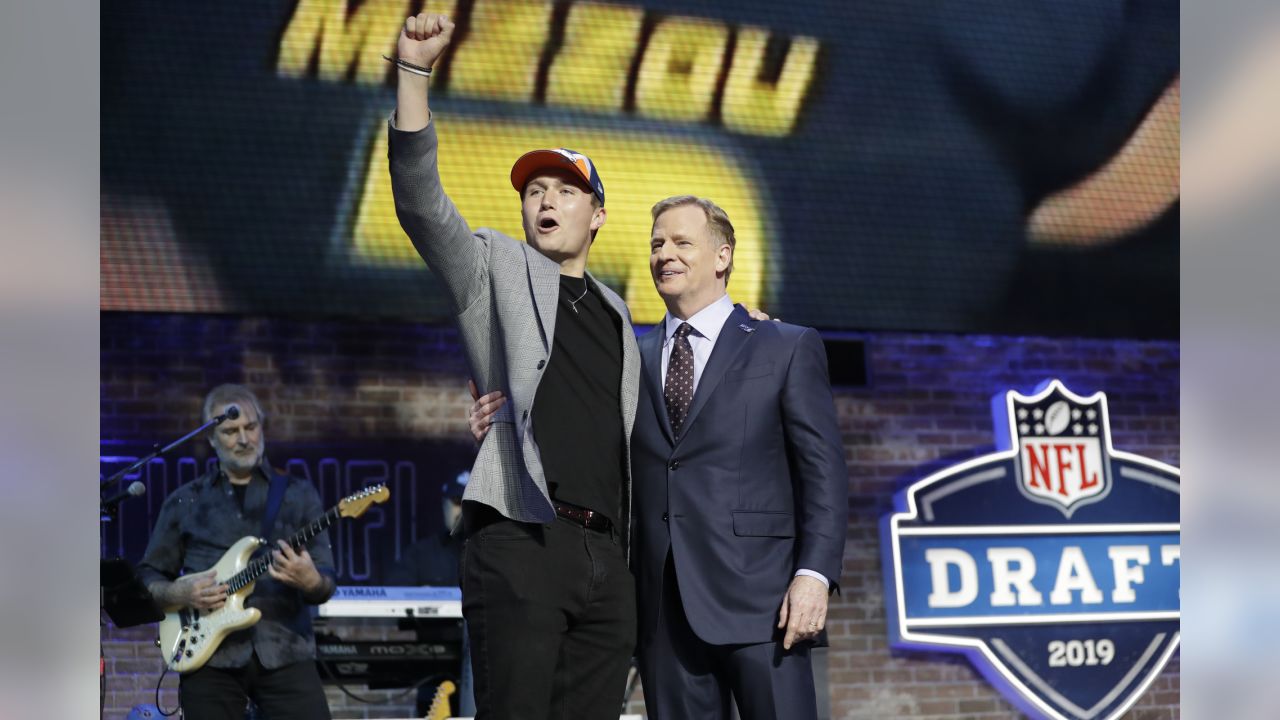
x: 189, y: 636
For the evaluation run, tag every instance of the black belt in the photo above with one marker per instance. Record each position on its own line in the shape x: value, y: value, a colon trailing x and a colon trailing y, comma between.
x: 589, y: 519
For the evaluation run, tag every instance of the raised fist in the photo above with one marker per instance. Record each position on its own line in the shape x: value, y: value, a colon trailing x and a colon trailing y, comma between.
x: 424, y: 38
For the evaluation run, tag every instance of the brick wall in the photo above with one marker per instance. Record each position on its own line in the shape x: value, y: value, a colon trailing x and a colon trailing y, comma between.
x: 926, y: 406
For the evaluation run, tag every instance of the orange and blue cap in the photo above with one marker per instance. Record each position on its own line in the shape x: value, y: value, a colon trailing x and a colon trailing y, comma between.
x: 537, y: 160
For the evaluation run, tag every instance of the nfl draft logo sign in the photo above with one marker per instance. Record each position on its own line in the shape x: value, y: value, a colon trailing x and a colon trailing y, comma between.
x: 1052, y: 563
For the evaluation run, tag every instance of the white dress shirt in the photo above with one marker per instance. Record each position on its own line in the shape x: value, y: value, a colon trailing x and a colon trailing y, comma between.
x: 707, y: 324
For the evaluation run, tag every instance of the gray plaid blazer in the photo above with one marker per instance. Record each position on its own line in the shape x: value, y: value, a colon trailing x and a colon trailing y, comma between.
x: 505, y: 296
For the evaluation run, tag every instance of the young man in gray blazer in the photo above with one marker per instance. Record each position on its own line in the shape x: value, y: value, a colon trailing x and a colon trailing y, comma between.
x: 547, y: 594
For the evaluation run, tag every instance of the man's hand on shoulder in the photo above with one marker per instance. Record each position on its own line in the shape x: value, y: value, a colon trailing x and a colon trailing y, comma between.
x: 480, y: 419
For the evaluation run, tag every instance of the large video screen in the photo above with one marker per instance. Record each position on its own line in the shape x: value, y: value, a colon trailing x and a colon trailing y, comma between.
x: 995, y: 167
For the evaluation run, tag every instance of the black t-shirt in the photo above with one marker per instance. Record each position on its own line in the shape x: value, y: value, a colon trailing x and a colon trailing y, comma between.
x: 577, y: 417
x: 240, y: 491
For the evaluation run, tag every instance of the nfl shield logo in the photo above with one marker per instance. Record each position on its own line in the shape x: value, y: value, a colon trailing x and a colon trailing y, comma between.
x: 1060, y: 440
x: 1053, y: 563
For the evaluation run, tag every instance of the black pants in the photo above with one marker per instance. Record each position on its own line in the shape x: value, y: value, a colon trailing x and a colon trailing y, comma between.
x: 685, y: 677
x: 552, y: 619
x: 293, y: 691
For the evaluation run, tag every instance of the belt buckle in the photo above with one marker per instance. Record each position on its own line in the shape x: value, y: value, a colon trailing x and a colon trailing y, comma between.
x: 589, y: 519
x: 593, y: 520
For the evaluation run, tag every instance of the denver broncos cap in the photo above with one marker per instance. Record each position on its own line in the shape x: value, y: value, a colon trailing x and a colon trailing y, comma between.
x: 536, y: 160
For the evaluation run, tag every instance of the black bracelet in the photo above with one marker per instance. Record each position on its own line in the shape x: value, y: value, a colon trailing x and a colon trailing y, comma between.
x: 408, y: 66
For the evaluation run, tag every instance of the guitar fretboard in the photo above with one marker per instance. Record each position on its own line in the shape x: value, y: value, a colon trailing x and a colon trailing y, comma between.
x: 257, y: 566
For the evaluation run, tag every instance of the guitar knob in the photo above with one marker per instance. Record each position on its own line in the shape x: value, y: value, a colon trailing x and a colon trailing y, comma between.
x: 189, y: 653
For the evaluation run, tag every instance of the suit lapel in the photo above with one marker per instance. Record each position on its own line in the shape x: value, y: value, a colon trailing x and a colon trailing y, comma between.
x: 651, y: 366
x: 544, y: 283
x: 731, y: 340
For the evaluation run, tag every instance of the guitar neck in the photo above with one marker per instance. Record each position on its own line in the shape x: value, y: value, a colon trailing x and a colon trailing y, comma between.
x: 259, y: 565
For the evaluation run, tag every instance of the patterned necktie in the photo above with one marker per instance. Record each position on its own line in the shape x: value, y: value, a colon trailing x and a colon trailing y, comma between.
x: 679, y: 388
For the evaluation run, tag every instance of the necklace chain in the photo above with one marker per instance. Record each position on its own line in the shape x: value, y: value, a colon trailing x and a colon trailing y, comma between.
x: 573, y: 303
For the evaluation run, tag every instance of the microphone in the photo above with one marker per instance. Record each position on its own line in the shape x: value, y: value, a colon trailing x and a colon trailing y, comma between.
x: 135, y: 489
x: 232, y: 413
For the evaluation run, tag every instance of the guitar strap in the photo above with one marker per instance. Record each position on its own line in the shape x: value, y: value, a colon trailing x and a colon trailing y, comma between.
x: 275, y: 498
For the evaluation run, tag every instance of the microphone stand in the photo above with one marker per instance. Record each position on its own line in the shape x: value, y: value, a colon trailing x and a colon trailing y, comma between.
x: 108, y: 507
x: 158, y: 451
x: 121, y: 594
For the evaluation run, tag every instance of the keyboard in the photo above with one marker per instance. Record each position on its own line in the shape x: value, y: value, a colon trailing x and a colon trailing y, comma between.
x: 385, y: 663
x: 376, y: 601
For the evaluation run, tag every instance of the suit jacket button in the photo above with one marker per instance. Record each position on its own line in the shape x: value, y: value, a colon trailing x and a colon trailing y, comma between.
x: 542, y: 364
x: 675, y: 465
x: 664, y: 517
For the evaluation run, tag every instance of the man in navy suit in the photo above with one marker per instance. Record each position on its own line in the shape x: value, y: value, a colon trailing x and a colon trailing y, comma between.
x: 739, y: 488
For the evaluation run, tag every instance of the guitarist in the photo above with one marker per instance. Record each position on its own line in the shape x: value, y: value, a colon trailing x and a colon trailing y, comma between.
x: 272, y: 662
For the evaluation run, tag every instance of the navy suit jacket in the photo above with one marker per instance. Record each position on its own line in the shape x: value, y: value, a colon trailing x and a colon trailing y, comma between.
x: 754, y: 487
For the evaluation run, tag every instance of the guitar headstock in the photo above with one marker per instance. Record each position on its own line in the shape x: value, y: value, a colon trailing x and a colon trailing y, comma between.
x: 354, y: 506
